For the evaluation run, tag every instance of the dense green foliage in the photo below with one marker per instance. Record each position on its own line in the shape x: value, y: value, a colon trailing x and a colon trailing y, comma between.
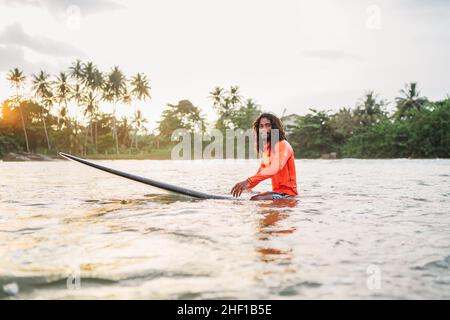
x: 418, y: 128
x: 424, y: 134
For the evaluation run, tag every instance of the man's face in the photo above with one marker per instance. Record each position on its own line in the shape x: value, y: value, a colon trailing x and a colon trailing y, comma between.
x: 264, y: 128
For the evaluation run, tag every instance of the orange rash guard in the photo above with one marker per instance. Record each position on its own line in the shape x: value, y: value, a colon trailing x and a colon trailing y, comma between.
x: 278, y: 165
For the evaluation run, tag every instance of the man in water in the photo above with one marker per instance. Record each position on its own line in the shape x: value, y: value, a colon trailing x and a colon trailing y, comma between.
x: 277, y: 161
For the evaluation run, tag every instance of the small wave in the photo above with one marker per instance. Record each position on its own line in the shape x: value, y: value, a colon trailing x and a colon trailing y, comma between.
x: 188, y: 236
x: 440, y: 264
x: 154, y: 274
x: 189, y: 295
x: 11, y: 285
x: 342, y: 241
x: 313, y: 211
x: 442, y: 280
x: 22, y: 231
x: 295, y: 289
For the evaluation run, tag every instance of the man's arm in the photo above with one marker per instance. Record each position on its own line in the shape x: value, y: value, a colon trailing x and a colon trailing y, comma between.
x: 280, y: 157
x: 237, y: 190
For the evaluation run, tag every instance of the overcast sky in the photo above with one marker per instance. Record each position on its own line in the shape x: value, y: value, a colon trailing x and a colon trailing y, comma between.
x: 284, y: 54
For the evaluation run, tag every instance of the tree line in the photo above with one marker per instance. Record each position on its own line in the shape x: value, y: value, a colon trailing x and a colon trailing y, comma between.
x: 40, y: 122
x: 415, y: 128
x: 43, y: 114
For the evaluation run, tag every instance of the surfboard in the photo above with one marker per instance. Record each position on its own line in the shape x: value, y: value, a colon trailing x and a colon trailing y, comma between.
x: 147, y: 181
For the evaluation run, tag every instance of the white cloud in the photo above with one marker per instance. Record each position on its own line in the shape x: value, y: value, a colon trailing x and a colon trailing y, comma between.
x: 14, y: 57
x: 15, y: 35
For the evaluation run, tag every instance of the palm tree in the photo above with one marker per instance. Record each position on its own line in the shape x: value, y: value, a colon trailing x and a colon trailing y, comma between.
x: 63, y: 120
x: 126, y: 99
x: 369, y: 109
x: 225, y: 102
x: 114, y: 89
x: 221, y: 104
x: 411, y: 100
x: 78, y: 96
x: 138, y: 122
x: 216, y: 96
x: 63, y: 89
x: 42, y: 90
x: 243, y: 117
x: 76, y: 73
x: 87, y: 72
x: 140, y: 90
x: 76, y: 70
x: 96, y: 117
x: 63, y: 93
x: 140, y: 87
x: 123, y: 129
x: 93, y: 81
x: 90, y: 104
x: 235, y: 97
x: 92, y: 78
x: 47, y: 103
x: 17, y: 80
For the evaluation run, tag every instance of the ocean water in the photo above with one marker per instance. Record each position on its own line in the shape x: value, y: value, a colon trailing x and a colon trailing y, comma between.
x: 360, y: 229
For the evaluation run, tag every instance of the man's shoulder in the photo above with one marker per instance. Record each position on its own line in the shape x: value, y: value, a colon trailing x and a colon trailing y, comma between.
x: 284, y: 144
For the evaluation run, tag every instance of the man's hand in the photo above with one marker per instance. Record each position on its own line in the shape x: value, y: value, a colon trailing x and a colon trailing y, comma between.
x: 239, y: 187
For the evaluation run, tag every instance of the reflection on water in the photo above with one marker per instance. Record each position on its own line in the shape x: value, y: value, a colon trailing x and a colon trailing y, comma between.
x: 88, y: 234
x: 168, y: 198
x: 272, y: 234
x: 269, y: 227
